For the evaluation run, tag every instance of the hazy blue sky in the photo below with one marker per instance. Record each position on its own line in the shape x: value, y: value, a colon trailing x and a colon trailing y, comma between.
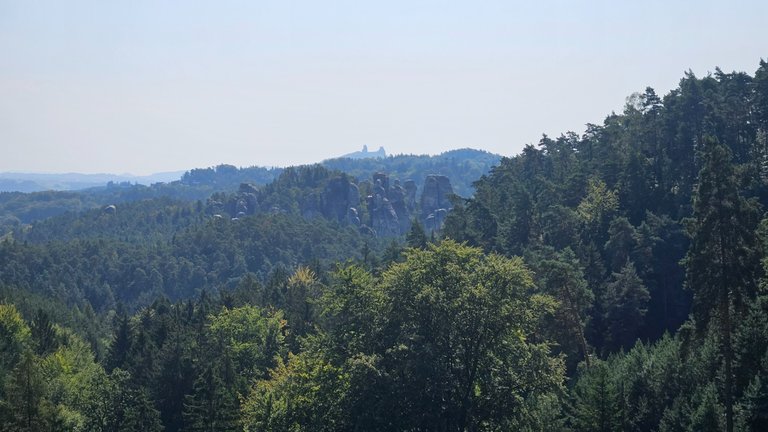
x: 146, y: 86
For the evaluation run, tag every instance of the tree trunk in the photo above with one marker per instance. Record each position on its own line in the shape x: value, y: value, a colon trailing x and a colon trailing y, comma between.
x: 725, y: 314
x: 728, y: 357
x: 573, y: 311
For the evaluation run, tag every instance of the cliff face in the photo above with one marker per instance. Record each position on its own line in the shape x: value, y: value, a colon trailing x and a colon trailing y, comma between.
x: 435, y: 201
x: 383, y: 205
x: 388, y: 207
x: 392, y: 208
x: 339, y: 197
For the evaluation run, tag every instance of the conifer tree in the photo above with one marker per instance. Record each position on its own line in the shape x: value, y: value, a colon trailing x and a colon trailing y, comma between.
x: 625, y: 306
x: 211, y: 407
x: 722, y: 261
x: 416, y: 237
x: 43, y: 333
x: 26, y: 393
x: 121, y: 345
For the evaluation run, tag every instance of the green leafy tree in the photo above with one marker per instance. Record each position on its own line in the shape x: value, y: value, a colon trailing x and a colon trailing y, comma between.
x: 251, y: 337
x: 596, y: 209
x: 15, y: 336
x: 175, y: 378
x: 456, y: 323
x: 707, y: 414
x: 621, y: 244
x: 140, y: 414
x: 305, y: 394
x: 352, y: 310
x: 303, y: 290
x: 753, y: 413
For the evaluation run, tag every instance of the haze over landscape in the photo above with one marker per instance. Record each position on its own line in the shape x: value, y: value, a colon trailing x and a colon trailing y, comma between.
x: 295, y: 216
x: 145, y: 87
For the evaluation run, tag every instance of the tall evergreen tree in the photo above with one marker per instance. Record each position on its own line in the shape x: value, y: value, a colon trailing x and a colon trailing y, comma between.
x: 626, y: 303
x: 211, y: 407
x: 416, y: 237
x: 121, y: 345
x: 563, y: 278
x: 723, y: 259
x: 43, y: 333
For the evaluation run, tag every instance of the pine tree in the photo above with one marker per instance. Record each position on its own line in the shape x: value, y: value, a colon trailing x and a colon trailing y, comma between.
x: 563, y: 278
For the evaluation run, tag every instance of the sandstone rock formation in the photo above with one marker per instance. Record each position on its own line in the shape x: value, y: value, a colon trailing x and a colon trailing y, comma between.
x: 340, y: 195
x: 383, y: 217
x: 435, y: 201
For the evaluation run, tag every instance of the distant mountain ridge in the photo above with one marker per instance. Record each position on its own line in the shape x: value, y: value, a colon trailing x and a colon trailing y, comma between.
x: 23, y: 200
x: 38, y: 182
x: 463, y: 166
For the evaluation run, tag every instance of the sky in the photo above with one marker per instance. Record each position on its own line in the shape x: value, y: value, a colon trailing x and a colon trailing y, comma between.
x: 150, y: 86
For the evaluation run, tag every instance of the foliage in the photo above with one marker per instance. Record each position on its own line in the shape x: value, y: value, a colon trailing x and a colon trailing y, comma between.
x: 639, y: 303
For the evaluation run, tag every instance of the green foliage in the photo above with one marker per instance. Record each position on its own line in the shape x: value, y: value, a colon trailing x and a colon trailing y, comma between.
x: 251, y: 337
x: 462, y: 166
x: 25, y: 407
x: 305, y: 394
x: 15, y: 337
x: 457, y: 324
x: 753, y: 412
x: 595, y: 400
x: 210, y: 254
x: 212, y: 405
x: 625, y: 307
x: 156, y: 314
x: 722, y: 262
x: 599, y: 203
x: 560, y: 275
x: 416, y: 237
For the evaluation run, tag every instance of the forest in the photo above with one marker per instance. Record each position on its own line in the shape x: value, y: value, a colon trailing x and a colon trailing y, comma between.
x: 613, y: 280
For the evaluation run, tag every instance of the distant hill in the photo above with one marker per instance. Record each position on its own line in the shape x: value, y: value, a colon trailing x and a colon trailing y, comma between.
x: 462, y: 166
x: 26, y: 198
x: 37, y: 182
x: 365, y: 154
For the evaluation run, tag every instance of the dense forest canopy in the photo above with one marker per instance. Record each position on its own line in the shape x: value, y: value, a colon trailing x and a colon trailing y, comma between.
x: 608, y: 281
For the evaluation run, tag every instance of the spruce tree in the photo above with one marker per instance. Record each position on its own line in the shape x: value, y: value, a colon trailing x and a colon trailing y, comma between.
x: 121, y: 345
x: 626, y: 303
x: 43, y: 333
x: 211, y: 407
x: 723, y: 258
